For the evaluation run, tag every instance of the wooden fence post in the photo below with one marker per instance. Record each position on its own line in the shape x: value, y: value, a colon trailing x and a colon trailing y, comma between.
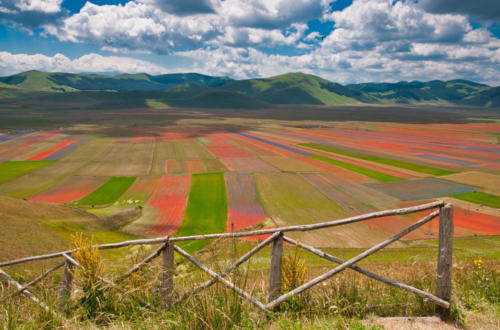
x: 167, y: 275
x: 445, y: 254
x: 275, y: 271
x: 66, y: 283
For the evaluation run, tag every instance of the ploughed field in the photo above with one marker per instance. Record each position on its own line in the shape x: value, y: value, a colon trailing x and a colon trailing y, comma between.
x: 195, y: 179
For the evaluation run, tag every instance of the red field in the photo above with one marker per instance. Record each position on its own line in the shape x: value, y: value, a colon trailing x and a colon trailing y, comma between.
x: 244, y: 209
x: 70, y: 190
x: 169, y: 200
x: 54, y: 149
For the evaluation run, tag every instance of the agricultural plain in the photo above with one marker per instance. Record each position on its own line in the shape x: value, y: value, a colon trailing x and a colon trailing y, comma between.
x: 188, y: 172
x: 202, y: 174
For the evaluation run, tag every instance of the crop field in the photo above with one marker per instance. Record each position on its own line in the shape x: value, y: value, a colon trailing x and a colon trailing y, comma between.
x: 69, y: 190
x: 200, y: 176
x: 108, y: 193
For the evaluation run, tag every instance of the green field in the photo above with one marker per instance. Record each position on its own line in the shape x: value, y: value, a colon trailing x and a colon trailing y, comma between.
x: 206, y: 210
x: 480, y: 198
x: 108, y: 192
x: 379, y: 176
x: 382, y: 160
x: 10, y: 170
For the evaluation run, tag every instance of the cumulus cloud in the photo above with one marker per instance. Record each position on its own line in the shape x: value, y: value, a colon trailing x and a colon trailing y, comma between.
x: 184, y: 7
x: 271, y: 14
x: 374, y: 40
x: 164, y: 26
x: 31, y: 14
x: 43, y: 6
x: 14, y: 63
x: 481, y: 10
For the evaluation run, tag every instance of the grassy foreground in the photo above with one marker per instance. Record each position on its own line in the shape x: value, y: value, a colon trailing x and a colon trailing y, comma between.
x: 108, y: 192
x: 382, y: 160
x: 10, y: 170
x: 348, y: 301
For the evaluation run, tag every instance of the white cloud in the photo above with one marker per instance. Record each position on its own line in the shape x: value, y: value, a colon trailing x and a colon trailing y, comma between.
x: 44, y: 6
x: 14, y: 63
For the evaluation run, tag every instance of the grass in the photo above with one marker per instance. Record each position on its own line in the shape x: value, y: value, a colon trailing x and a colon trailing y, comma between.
x: 350, y: 301
x: 480, y: 198
x: 206, y: 210
x: 11, y: 170
x: 379, y: 176
x: 382, y: 160
x: 108, y: 192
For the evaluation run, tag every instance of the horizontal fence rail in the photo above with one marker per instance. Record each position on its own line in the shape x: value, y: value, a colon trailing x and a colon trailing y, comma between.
x: 275, y: 240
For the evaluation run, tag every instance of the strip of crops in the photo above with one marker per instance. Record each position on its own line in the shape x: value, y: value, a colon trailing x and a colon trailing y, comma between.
x: 480, y: 198
x: 358, y: 169
x: 381, y: 160
x: 206, y: 210
x: 10, y: 170
x: 108, y: 192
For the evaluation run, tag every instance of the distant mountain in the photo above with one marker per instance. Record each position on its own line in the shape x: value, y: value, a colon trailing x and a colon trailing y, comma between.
x: 436, y: 91
x: 69, y: 82
x: 298, y: 88
x: 197, y: 90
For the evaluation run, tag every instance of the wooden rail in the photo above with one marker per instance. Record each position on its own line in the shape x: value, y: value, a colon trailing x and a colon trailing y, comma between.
x: 276, y: 239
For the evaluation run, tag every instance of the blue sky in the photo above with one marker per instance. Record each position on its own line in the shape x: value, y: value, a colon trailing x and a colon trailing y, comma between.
x: 344, y: 41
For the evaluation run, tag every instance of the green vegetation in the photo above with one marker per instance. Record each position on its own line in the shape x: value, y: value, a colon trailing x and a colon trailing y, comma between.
x: 290, y: 88
x: 155, y: 104
x: 379, y: 176
x: 382, y: 160
x: 67, y: 82
x: 108, y: 192
x: 348, y: 302
x: 10, y: 170
x: 206, y: 210
x: 298, y: 88
x: 436, y: 91
x: 480, y: 198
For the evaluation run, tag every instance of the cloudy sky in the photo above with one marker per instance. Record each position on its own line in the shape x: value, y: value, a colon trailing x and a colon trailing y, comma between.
x: 345, y: 41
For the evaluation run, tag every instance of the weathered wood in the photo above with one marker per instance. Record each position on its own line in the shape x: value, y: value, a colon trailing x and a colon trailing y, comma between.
x: 36, y: 280
x: 275, y: 270
x: 67, y: 280
x: 351, y: 261
x: 445, y: 254
x: 167, y: 274
x: 108, y: 282
x: 241, y: 234
x: 418, y: 292
x: 146, y: 260
x: 238, y: 262
x: 221, y: 279
x: 26, y: 292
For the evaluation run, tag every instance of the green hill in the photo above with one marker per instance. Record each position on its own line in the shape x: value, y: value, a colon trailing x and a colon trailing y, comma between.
x: 198, y: 90
x: 67, y: 82
x: 436, y: 91
x: 298, y: 88
x: 486, y: 98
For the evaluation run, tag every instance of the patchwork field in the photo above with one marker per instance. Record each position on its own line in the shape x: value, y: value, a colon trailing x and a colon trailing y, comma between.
x: 203, y: 175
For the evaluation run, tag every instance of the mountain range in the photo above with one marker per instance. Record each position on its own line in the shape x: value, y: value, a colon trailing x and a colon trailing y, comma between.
x: 198, y: 90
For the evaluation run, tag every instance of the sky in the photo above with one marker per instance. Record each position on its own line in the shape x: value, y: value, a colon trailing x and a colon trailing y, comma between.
x: 346, y: 41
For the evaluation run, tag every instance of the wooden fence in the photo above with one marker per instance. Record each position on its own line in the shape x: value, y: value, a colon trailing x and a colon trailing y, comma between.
x: 276, y: 239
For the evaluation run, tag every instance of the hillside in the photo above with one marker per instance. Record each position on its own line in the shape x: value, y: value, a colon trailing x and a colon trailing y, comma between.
x: 298, y: 88
x: 486, y: 98
x: 67, y: 82
x: 436, y: 91
x: 197, y: 90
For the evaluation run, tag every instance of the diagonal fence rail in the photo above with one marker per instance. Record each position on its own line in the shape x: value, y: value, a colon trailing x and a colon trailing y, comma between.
x: 276, y: 240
